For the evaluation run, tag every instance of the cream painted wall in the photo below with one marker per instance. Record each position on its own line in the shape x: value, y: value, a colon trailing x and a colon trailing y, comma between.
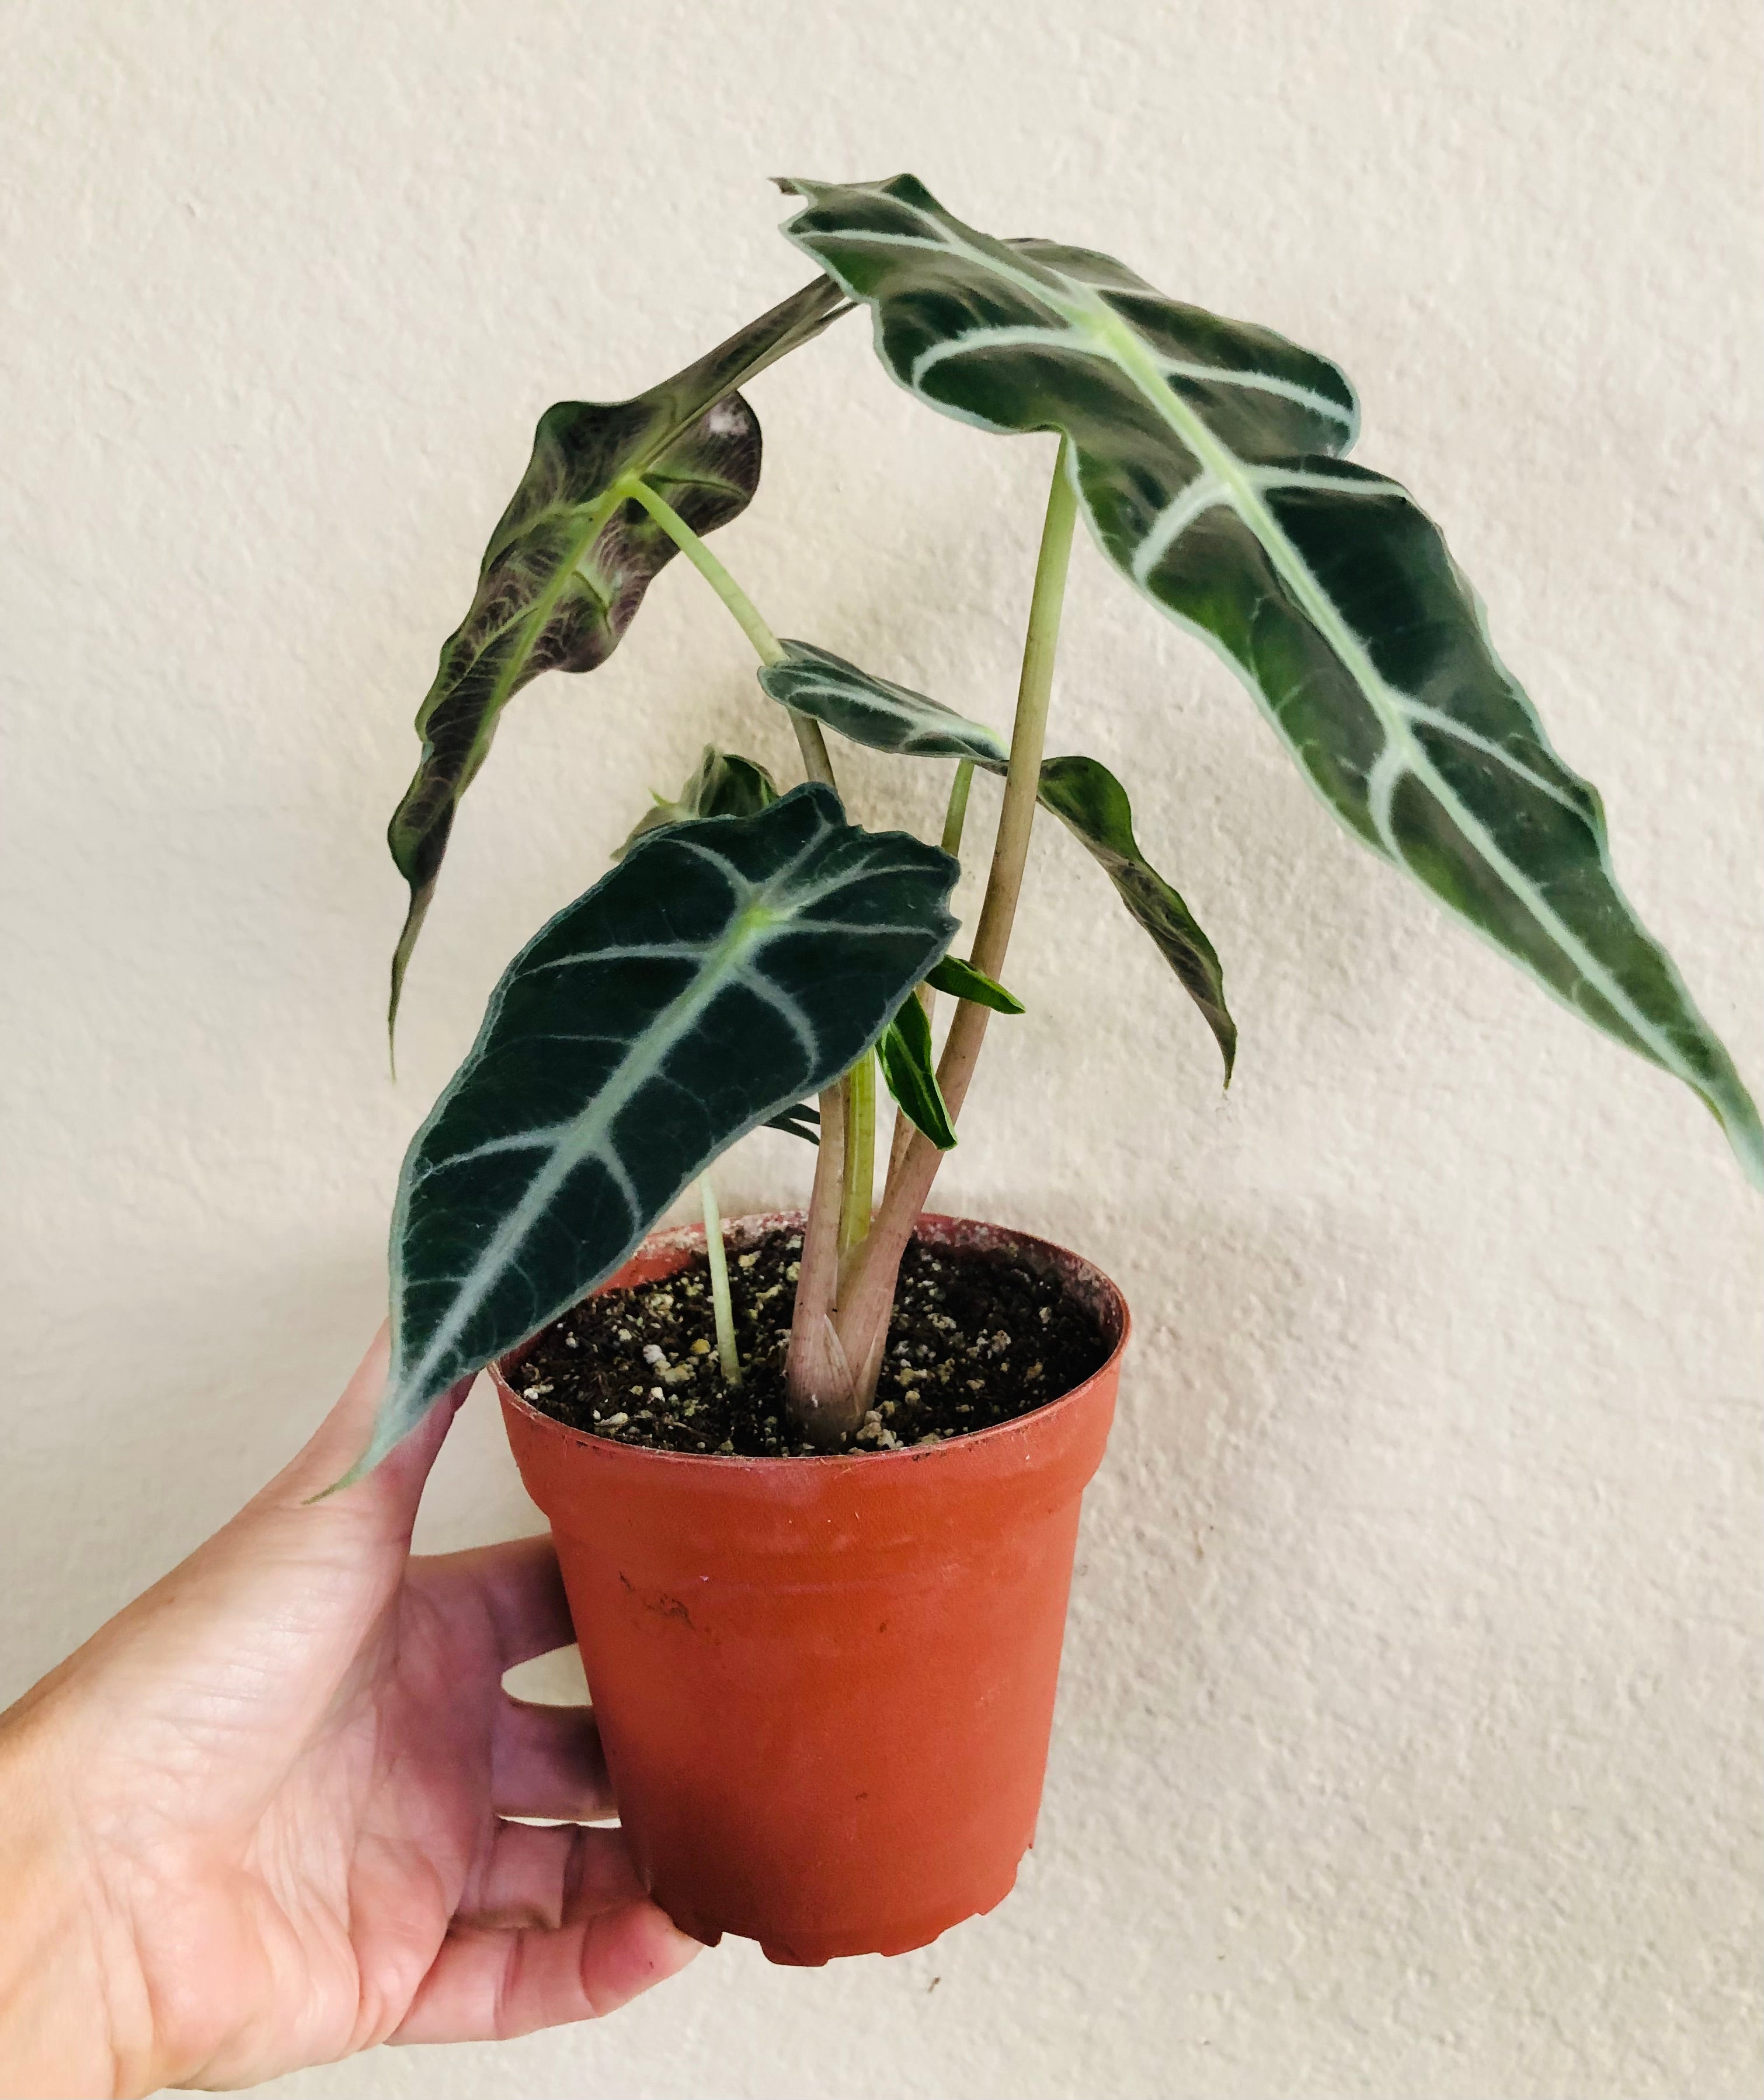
x: 1410, y: 1731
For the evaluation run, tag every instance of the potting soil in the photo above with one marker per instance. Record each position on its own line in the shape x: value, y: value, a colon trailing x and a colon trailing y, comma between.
x: 976, y: 1339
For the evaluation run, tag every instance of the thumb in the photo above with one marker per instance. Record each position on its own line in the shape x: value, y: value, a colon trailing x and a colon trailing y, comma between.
x: 330, y: 1469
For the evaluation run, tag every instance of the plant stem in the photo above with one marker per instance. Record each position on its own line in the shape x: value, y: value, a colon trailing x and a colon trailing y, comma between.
x: 818, y: 1385
x: 817, y: 1380
x: 954, y: 819
x: 869, y: 1298
x: 857, y: 1180
x: 813, y: 746
x: 956, y: 816
x: 724, y: 1310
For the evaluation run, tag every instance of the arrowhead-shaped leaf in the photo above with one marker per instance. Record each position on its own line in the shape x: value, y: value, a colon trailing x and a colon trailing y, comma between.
x: 1081, y: 792
x: 904, y: 1052
x: 873, y: 711
x: 566, y: 567
x: 722, y: 784
x: 1202, y: 454
x: 1093, y: 805
x: 721, y: 972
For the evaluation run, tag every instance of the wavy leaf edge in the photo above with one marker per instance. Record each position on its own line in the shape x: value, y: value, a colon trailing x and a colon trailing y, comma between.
x: 1303, y: 416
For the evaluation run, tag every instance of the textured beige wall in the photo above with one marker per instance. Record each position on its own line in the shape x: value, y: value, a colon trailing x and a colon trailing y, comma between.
x: 1410, y: 1731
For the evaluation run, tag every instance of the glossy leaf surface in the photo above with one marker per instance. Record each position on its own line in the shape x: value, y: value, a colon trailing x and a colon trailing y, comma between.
x: 904, y: 1052
x: 1204, y: 455
x: 566, y: 567
x: 874, y: 711
x: 722, y: 784
x: 721, y: 972
x: 1092, y: 804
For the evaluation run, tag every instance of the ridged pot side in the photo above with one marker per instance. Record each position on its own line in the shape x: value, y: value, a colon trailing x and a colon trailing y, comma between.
x: 825, y: 1685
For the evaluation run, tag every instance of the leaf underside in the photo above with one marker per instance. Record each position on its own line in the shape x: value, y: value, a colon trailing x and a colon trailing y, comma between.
x: 1205, y: 456
x: 718, y: 973
x: 568, y: 566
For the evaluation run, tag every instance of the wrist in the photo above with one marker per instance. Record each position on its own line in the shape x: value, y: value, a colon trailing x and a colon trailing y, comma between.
x: 55, y: 2030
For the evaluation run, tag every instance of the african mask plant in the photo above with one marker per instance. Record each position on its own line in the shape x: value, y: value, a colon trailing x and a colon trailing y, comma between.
x: 750, y: 949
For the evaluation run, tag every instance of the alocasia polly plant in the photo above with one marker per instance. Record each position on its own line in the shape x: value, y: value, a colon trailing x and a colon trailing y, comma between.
x: 749, y: 948
x: 566, y: 566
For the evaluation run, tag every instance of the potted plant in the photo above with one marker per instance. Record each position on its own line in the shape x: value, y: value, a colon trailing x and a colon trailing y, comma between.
x: 819, y: 1562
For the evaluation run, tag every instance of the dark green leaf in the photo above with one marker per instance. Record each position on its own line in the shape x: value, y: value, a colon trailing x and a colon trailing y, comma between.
x: 1202, y: 452
x: 875, y: 711
x: 803, y: 1121
x: 567, y: 566
x: 961, y: 980
x: 715, y: 977
x: 1084, y: 795
x: 1093, y: 805
x: 722, y: 784
x: 904, y: 1055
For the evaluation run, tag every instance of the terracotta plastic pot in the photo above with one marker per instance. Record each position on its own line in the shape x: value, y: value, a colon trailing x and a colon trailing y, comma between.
x: 825, y: 1685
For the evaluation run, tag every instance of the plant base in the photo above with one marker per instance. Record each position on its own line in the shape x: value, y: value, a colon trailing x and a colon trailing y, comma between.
x: 825, y: 1685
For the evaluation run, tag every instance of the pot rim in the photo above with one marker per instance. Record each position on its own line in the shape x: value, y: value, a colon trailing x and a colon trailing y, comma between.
x: 725, y: 1462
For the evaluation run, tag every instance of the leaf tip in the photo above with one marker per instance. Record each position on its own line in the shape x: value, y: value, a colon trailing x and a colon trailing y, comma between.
x: 360, y: 1470
x: 415, y: 912
x: 392, y: 1423
x: 1745, y: 1135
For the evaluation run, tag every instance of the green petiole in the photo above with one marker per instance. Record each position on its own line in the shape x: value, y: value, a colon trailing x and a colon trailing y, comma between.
x: 816, y: 763
x: 721, y: 1303
x: 857, y: 1180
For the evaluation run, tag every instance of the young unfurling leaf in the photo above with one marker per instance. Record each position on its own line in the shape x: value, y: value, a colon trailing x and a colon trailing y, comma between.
x: 961, y: 980
x: 722, y: 784
x: 904, y: 1052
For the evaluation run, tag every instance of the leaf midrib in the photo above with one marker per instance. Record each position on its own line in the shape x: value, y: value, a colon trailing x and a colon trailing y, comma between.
x: 595, y: 518
x: 1387, y: 703
x: 1090, y: 314
x: 758, y: 918
x: 585, y: 1135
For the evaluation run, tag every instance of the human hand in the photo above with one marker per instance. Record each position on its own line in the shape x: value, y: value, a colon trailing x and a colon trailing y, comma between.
x: 256, y: 1822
